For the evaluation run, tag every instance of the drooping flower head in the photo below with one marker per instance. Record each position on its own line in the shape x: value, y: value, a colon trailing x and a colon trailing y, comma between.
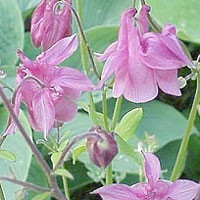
x: 153, y: 188
x: 142, y: 61
x: 49, y: 26
x: 48, y: 91
x: 102, y: 147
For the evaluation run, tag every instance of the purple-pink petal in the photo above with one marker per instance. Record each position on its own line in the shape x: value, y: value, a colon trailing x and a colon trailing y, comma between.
x: 108, y: 52
x: 65, y: 109
x: 71, y: 78
x: 116, y: 192
x: 37, y: 25
x: 152, y: 168
x: 167, y: 81
x: 184, y: 190
x: 60, y: 51
x: 43, y: 111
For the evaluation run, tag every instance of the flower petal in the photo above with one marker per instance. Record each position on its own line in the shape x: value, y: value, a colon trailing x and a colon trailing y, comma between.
x: 168, y: 37
x: 168, y: 82
x: 65, y: 109
x: 162, y: 189
x: 142, y: 19
x: 57, y: 25
x: 71, y: 78
x: 37, y: 25
x: 184, y: 190
x: 116, y: 192
x: 115, y: 62
x: 141, y: 84
x: 111, y: 49
x: 157, y: 53
x: 125, y: 23
x: 43, y: 111
x: 152, y: 168
x: 60, y: 51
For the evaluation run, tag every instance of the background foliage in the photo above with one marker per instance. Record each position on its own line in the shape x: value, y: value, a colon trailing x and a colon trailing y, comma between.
x: 165, y: 117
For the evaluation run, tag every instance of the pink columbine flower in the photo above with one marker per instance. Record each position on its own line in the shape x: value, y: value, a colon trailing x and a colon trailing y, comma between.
x: 153, y: 188
x: 142, y: 61
x: 49, y: 26
x: 48, y: 91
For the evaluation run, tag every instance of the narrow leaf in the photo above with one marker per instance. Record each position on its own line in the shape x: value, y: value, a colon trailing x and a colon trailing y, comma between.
x: 127, y: 126
x: 6, y: 155
x: 77, y: 152
x: 64, y: 172
x: 42, y: 196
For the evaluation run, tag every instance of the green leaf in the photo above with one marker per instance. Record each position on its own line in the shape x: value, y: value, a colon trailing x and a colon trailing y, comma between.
x: 103, y: 12
x: 15, y: 143
x: 65, y: 173
x: 77, y: 151
x: 127, y: 126
x: 11, y: 31
x: 55, y: 157
x: 42, y: 196
x: 26, y: 4
x: 183, y: 14
x: 7, y: 155
x: 9, y: 80
x: 159, y: 119
x: 36, y: 176
x: 96, y: 117
x: 29, y: 49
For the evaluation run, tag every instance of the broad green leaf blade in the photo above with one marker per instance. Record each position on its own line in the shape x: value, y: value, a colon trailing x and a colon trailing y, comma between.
x: 103, y: 12
x: 11, y: 31
x: 159, y: 119
x: 183, y: 14
x: 6, y: 155
x: 26, y: 4
x: 42, y: 196
x: 36, y: 176
x: 127, y: 126
x: 9, y: 80
x: 65, y: 173
x: 77, y: 151
x: 16, y: 144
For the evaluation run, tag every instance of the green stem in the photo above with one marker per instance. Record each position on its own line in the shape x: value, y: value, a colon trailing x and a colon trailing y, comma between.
x: 109, y: 178
x: 2, y: 197
x: 66, y: 186
x: 109, y: 175
x: 116, y: 113
x: 105, y: 109
x: 84, y: 52
x: 133, y: 3
x: 184, y: 144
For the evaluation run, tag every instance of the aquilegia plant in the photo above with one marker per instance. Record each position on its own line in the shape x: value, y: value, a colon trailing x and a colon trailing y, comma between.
x: 75, y: 113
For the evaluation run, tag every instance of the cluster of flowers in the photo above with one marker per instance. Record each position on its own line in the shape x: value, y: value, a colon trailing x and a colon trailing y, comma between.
x: 141, y: 61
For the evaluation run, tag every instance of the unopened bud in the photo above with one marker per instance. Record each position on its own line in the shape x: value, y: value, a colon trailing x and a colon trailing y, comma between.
x: 102, y: 147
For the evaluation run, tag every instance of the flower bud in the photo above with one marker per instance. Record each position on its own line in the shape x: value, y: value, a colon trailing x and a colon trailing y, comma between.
x: 102, y: 147
x: 48, y: 26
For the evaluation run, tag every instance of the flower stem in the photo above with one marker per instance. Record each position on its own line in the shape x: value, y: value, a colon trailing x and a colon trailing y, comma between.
x: 65, y: 184
x: 46, y: 169
x: 184, y: 144
x: 109, y: 179
x: 133, y: 3
x: 2, y: 197
x: 116, y: 113
x: 105, y: 109
x: 84, y: 49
